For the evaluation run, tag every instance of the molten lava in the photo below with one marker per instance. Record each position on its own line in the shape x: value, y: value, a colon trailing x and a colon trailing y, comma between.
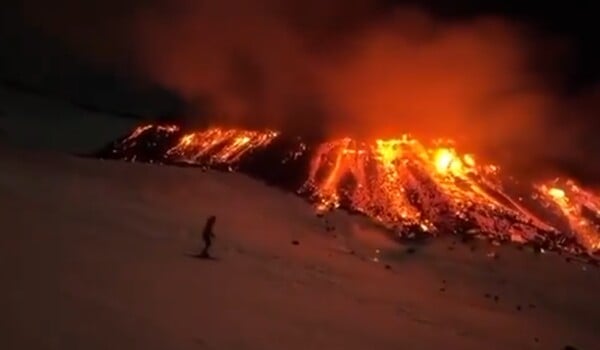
x: 402, y: 184
x: 220, y: 146
x: 581, y: 209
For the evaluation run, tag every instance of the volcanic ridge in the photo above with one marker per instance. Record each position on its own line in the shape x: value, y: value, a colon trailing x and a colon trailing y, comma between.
x: 412, y: 188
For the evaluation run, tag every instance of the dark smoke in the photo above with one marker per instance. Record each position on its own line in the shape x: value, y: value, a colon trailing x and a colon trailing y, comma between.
x: 345, y: 68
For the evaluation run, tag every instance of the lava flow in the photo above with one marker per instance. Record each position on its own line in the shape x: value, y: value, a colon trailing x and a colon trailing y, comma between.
x: 402, y: 184
x: 216, y: 145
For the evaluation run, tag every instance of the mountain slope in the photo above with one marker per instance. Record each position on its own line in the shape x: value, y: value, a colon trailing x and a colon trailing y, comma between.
x: 94, y: 254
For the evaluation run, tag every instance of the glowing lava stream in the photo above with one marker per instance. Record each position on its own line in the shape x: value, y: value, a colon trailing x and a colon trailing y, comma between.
x: 573, y: 202
x: 404, y: 184
x: 217, y: 145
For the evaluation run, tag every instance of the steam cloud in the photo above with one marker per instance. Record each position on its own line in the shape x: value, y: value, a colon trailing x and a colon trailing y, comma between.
x: 348, y: 68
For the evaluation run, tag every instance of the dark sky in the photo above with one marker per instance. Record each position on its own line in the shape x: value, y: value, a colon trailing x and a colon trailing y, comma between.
x: 37, y: 59
x: 25, y: 36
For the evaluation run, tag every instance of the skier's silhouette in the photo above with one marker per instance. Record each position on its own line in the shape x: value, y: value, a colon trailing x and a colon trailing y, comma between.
x: 208, y: 235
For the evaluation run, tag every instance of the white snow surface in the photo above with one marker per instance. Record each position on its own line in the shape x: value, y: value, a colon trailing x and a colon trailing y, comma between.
x: 95, y: 255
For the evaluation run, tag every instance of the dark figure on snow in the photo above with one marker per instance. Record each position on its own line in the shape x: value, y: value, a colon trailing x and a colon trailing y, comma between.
x: 208, y: 235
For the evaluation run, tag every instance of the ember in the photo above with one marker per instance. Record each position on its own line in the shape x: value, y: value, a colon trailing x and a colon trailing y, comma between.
x: 403, y: 184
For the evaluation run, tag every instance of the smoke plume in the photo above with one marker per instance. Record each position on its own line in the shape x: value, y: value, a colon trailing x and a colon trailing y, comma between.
x: 346, y: 68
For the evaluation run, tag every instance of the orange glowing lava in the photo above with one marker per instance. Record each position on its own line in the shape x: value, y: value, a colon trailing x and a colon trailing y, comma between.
x: 221, y: 146
x: 580, y: 207
x: 404, y: 184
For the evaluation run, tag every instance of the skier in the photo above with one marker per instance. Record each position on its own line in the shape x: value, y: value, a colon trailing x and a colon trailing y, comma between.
x: 208, y: 235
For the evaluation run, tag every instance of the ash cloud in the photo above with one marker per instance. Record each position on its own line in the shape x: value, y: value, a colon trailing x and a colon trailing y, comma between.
x: 347, y: 68
x: 263, y: 64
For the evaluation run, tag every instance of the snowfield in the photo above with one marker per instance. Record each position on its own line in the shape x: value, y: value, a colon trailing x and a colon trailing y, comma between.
x: 95, y: 255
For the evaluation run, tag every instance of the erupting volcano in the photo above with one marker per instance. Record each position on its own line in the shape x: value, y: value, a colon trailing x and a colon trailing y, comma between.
x: 411, y: 187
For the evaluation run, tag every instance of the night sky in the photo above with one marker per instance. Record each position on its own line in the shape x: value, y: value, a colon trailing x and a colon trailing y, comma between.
x: 89, y: 53
x: 24, y: 38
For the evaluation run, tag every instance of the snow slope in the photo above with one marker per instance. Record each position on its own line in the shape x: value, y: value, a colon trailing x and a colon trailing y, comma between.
x: 95, y: 255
